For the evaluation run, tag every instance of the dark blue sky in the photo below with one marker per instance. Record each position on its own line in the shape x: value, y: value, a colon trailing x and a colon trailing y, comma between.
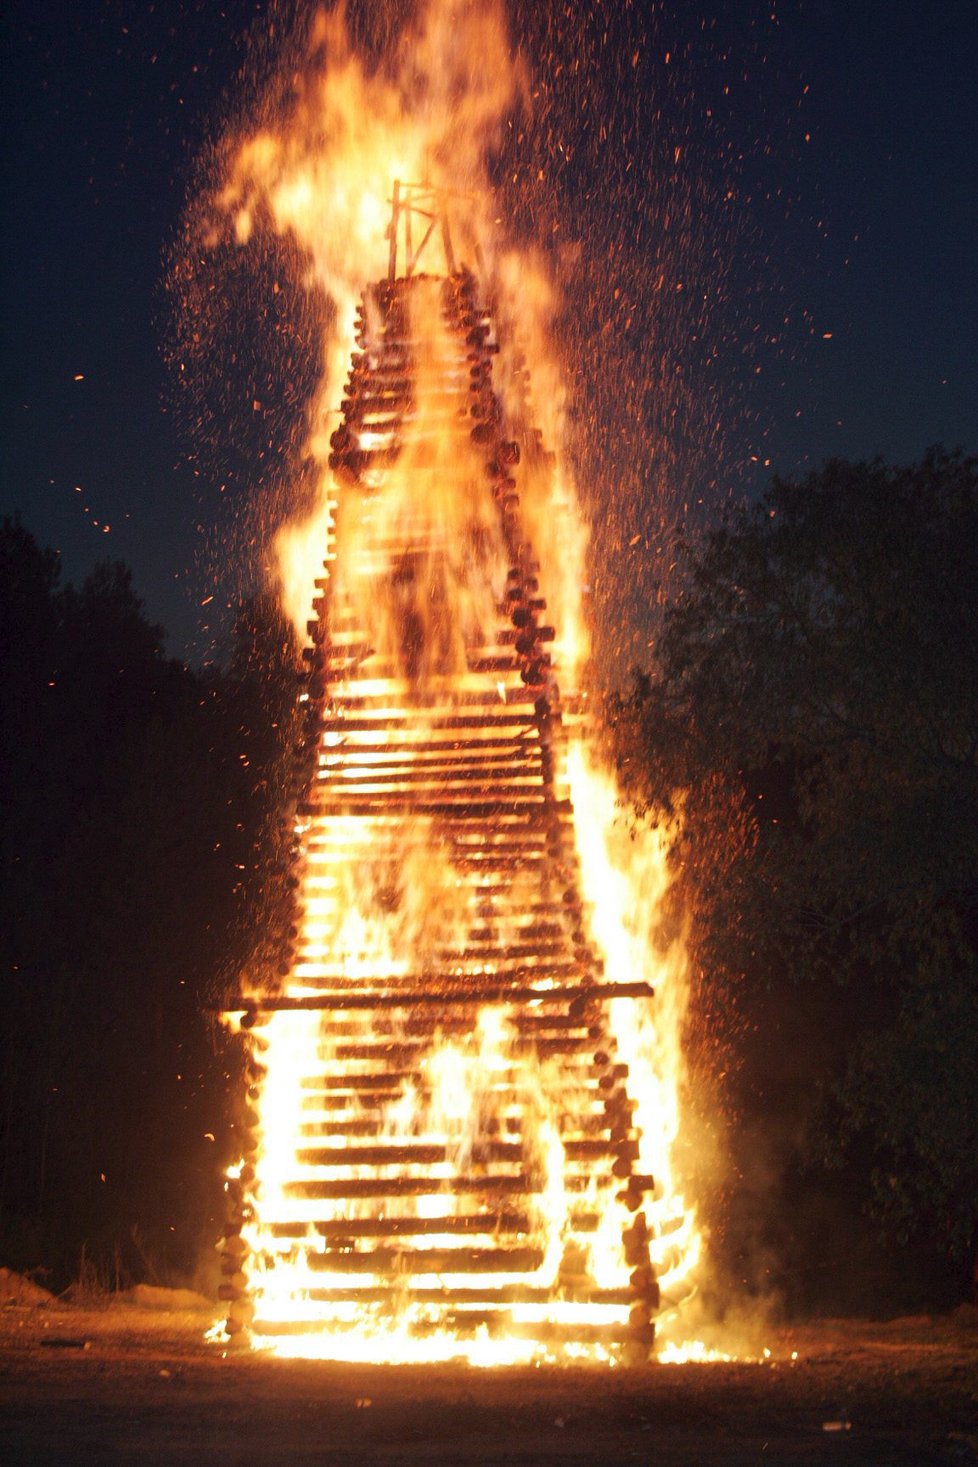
x: 892, y: 170
x: 869, y: 232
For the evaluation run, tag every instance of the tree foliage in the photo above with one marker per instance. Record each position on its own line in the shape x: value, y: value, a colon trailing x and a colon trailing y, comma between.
x: 815, y: 697
x: 135, y: 799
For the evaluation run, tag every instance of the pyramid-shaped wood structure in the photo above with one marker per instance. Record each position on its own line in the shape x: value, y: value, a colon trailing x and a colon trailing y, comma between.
x: 443, y: 922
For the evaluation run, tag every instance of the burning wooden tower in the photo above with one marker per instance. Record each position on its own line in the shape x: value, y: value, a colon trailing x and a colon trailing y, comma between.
x: 442, y: 1154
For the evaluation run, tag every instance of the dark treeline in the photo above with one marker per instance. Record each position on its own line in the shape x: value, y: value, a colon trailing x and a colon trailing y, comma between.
x: 137, y: 797
x: 814, y: 702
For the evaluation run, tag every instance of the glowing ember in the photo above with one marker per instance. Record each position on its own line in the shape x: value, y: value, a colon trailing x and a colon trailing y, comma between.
x: 464, y: 1097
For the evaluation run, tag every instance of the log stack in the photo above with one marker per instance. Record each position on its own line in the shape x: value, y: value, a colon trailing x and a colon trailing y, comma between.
x: 434, y: 750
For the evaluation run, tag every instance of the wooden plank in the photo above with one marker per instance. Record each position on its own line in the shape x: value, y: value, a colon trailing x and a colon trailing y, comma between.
x: 361, y: 1187
x: 402, y: 1262
x: 326, y: 802
x: 596, y: 993
x: 398, y: 1227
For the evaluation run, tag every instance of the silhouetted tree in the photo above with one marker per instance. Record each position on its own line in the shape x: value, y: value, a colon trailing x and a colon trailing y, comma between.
x: 815, y: 698
x: 263, y: 683
x: 128, y: 820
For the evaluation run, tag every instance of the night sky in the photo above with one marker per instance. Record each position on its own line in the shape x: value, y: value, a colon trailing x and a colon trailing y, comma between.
x: 860, y: 222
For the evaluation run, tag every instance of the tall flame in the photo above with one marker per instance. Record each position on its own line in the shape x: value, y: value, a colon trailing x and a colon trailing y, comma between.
x: 323, y: 173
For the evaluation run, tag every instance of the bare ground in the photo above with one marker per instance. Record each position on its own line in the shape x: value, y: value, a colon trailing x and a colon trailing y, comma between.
x: 130, y: 1384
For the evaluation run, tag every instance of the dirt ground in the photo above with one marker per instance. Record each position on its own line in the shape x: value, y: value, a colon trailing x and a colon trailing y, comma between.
x: 131, y: 1384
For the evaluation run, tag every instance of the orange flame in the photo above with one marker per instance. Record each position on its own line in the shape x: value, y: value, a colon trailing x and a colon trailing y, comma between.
x: 324, y: 172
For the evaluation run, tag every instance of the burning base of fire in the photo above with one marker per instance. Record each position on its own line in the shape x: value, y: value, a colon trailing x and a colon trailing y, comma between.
x: 463, y: 1096
x: 456, y: 1103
